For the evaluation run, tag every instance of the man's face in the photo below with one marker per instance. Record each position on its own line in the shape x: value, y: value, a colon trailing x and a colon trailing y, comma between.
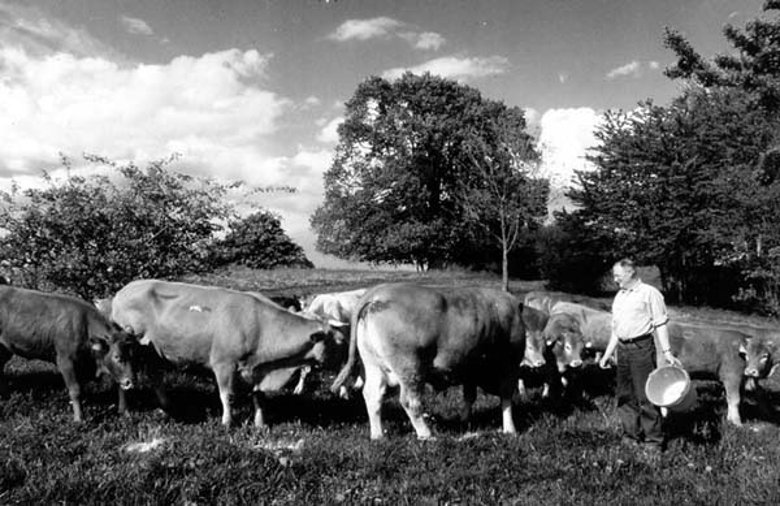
x: 622, y: 276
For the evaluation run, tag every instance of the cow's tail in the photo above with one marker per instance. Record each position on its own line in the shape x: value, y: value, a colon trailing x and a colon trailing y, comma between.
x: 352, y: 357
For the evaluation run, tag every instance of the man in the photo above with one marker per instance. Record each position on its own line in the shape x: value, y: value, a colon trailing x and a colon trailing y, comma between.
x: 638, y: 312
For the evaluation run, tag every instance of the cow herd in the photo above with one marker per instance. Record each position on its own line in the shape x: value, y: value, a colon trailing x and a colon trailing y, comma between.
x: 390, y: 335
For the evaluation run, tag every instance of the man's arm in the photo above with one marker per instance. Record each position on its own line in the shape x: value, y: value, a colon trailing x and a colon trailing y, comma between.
x: 613, y: 341
x: 662, y: 333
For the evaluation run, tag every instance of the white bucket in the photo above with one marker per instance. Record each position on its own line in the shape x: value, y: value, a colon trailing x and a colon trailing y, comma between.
x: 670, y: 387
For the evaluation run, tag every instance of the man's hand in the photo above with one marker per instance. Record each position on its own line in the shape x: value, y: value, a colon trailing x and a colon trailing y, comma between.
x: 671, y: 359
x: 604, y: 363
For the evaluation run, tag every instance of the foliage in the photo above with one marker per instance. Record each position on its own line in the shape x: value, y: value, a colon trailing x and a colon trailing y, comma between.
x: 259, y: 242
x: 392, y: 192
x: 92, y: 235
x: 676, y: 186
x: 754, y: 67
x: 502, y: 196
x: 572, y: 256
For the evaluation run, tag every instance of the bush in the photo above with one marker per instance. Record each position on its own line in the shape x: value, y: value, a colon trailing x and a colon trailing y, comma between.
x: 259, y: 242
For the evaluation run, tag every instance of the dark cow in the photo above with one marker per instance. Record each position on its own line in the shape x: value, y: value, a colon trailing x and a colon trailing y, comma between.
x: 226, y: 331
x: 409, y: 335
x: 710, y: 351
x: 66, y: 331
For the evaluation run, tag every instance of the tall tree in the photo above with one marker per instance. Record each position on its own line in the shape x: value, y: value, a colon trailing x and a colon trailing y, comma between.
x: 503, y: 194
x: 391, y: 194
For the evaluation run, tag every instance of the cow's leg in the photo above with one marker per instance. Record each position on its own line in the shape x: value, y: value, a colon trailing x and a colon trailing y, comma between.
x: 258, y: 400
x: 68, y: 371
x: 121, y: 401
x: 731, y: 382
x: 411, y: 400
x: 5, y: 356
x: 224, y: 374
x: 304, y: 372
x: 373, y: 393
x: 469, y: 396
x: 507, y: 391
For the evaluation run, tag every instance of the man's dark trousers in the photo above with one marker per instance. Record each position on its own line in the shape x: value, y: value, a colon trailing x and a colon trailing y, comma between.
x: 641, y: 419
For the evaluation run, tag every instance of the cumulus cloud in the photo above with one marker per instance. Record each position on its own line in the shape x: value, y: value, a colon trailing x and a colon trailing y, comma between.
x: 462, y: 68
x: 384, y: 27
x: 329, y: 132
x: 633, y: 69
x: 565, y: 136
x: 364, y: 29
x: 205, y: 108
x: 136, y: 26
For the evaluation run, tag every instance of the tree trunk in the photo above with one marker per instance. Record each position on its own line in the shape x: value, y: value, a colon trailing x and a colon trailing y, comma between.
x: 504, y: 268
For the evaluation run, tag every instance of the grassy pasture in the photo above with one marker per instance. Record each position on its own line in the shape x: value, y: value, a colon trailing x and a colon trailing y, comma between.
x: 318, y: 452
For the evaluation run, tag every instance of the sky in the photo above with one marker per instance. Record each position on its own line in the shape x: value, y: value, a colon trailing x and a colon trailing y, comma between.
x: 254, y: 90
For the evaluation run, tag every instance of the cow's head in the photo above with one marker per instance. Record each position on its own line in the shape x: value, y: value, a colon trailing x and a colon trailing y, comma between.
x: 534, y: 322
x: 330, y: 344
x: 564, y: 340
x: 758, y: 352
x: 115, y: 355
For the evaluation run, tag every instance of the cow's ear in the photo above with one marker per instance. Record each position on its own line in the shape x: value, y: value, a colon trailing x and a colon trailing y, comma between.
x: 588, y: 344
x: 742, y: 349
x: 550, y: 342
x: 337, y: 324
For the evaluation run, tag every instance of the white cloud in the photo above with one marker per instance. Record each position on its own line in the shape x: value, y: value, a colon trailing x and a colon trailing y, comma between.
x: 463, y: 68
x: 565, y: 137
x: 425, y: 41
x: 634, y: 69
x: 563, y: 77
x: 27, y: 27
x: 329, y: 133
x: 136, y: 26
x: 384, y: 27
x: 364, y: 29
x: 629, y: 69
x: 204, y: 107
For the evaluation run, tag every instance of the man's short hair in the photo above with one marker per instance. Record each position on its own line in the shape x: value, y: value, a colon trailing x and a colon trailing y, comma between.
x: 626, y: 263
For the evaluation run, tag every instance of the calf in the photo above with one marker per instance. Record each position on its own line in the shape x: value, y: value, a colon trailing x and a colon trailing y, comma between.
x: 708, y: 351
x: 410, y: 335
x: 226, y: 331
x: 68, y: 332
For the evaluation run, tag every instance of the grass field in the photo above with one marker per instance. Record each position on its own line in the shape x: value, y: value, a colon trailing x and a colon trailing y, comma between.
x: 318, y: 451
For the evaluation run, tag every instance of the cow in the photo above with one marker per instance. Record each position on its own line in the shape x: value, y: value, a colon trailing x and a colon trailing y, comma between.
x: 761, y: 352
x: 595, y: 325
x: 337, y: 306
x: 545, y: 300
x: 409, y: 335
x: 226, y: 331
x: 68, y: 332
x: 711, y: 351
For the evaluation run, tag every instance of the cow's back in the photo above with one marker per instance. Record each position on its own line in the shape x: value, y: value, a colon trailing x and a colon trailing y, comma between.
x: 183, y: 322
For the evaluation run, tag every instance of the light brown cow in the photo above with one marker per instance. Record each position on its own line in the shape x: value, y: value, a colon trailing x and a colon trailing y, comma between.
x: 410, y: 335
x: 66, y: 331
x: 226, y: 331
